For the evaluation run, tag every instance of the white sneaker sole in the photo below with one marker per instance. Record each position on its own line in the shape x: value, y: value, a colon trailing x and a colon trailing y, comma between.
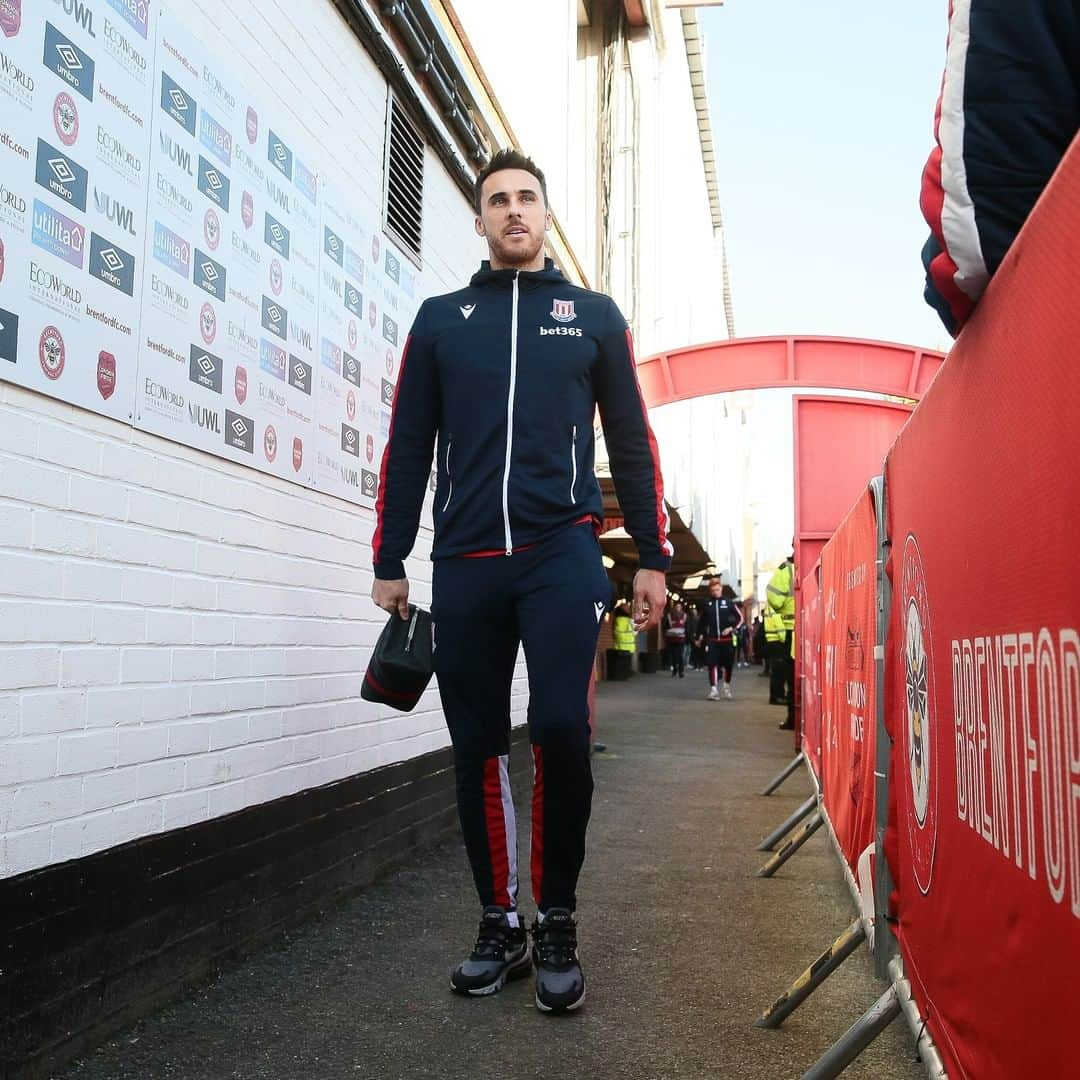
x: 565, y: 1008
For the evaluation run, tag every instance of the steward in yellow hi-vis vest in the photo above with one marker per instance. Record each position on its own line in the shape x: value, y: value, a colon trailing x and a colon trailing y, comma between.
x: 780, y: 594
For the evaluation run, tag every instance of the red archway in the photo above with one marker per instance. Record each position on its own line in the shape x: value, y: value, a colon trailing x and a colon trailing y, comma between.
x: 827, y: 363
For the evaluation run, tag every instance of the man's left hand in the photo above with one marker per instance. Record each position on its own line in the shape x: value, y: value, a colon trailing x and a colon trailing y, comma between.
x: 650, y: 596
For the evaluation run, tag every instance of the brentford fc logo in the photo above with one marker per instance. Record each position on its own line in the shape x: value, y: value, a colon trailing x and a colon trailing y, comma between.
x: 276, y: 278
x: 350, y: 405
x: 211, y: 229
x: 247, y: 209
x: 208, y: 324
x: 270, y: 442
x: 563, y: 311
x: 51, y: 352
x: 66, y: 119
x: 251, y: 125
x: 297, y: 453
x: 921, y: 707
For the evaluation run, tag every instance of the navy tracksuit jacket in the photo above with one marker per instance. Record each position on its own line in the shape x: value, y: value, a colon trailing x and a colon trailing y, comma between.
x: 502, y: 380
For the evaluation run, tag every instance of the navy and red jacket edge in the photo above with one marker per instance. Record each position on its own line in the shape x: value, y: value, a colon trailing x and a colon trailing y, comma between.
x: 510, y: 422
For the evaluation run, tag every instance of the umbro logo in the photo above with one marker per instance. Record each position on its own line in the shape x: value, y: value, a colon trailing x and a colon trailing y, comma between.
x: 467, y: 309
x: 599, y: 605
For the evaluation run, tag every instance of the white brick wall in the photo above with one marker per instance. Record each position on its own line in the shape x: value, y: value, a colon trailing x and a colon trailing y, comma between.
x: 180, y: 637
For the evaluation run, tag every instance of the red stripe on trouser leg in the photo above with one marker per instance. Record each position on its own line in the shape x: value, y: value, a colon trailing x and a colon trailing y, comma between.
x: 537, y: 859
x: 495, y: 819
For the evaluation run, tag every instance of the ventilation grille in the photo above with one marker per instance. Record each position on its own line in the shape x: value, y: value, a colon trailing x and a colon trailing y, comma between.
x: 404, y: 181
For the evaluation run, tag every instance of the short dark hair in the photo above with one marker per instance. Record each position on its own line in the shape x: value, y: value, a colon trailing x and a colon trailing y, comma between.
x: 508, y: 159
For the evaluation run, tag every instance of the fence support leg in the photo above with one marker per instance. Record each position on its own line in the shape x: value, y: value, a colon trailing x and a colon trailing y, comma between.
x: 788, y: 824
x: 808, y: 829
x: 783, y: 774
x: 857, y: 1038
x: 813, y: 976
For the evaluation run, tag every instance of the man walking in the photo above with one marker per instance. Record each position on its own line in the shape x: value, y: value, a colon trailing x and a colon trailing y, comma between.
x: 503, y: 379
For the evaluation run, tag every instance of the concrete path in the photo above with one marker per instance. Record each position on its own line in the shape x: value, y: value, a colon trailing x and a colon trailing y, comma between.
x: 682, y: 945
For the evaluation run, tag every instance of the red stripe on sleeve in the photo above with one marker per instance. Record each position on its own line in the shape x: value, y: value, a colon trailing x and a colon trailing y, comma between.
x: 380, y: 501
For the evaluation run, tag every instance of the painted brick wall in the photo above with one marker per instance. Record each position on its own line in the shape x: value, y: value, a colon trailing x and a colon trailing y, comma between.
x: 181, y: 637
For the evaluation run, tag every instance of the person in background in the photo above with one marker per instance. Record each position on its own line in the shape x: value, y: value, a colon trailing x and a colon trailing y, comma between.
x: 757, y: 638
x: 623, y: 628
x: 675, y: 636
x: 774, y: 653
x: 690, y: 650
x: 718, y: 631
x: 780, y: 594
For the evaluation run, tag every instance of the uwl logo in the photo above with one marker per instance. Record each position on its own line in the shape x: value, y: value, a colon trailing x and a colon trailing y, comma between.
x: 115, y: 212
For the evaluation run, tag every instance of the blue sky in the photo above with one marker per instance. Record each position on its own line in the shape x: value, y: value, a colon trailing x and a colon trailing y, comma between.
x: 822, y: 114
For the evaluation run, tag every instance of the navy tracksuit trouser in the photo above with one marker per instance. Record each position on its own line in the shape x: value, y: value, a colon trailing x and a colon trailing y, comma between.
x: 550, y: 598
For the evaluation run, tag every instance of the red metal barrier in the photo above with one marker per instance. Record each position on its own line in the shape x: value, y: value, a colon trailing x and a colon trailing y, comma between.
x: 808, y: 638
x: 983, y: 669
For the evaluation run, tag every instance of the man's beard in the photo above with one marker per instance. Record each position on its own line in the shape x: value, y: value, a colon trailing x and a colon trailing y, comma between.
x: 511, y: 256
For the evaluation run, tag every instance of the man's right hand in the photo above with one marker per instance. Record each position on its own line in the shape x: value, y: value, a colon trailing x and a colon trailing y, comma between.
x: 392, y: 595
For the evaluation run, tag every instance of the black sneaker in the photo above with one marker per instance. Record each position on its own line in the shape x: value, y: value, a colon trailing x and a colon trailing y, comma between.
x: 560, y: 983
x: 501, y: 952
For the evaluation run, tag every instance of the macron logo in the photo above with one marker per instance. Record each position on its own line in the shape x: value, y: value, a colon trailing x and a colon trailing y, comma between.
x: 599, y: 605
x: 468, y: 309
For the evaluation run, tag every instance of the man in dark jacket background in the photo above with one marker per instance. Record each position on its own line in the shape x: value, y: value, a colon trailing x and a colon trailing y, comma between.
x: 502, y: 380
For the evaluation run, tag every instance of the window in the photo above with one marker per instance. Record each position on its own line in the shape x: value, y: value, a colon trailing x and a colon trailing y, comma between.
x: 404, y: 180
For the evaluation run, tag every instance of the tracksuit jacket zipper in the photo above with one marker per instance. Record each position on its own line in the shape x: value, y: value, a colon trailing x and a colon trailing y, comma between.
x: 510, y: 414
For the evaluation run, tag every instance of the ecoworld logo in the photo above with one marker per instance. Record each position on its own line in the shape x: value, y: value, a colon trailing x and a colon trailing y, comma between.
x: 115, y: 211
x: 272, y: 399
x: 215, y: 138
x: 177, y: 154
x: 300, y: 375
x: 276, y: 236
x: 240, y: 339
x: 204, y: 369
x: 64, y: 58
x: 171, y: 197
x: 217, y: 88
x: 58, y: 235
x: 301, y: 289
x: 249, y: 164
x: 560, y: 331
x: 172, y: 250
x: 248, y: 253
x: 117, y: 156
x: 239, y: 432
x: 168, y: 299
x: 61, y: 175
x: 205, y: 418
x: 51, y: 289
x: 209, y: 275
x: 279, y: 155
x: 163, y: 400
x: 137, y: 13
x: 112, y: 264
x: 17, y: 83
x: 178, y: 103
x: 213, y: 183
x: 79, y: 13
x: 12, y: 208
x: 132, y: 60
x: 65, y: 118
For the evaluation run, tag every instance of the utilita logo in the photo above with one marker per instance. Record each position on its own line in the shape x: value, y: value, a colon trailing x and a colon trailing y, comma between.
x: 58, y: 235
x: 172, y: 250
